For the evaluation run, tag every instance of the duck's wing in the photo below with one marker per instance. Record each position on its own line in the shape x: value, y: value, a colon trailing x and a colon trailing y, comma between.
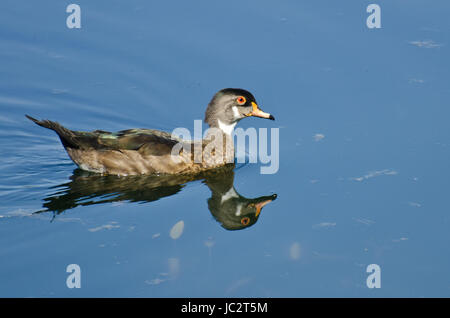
x: 146, y: 141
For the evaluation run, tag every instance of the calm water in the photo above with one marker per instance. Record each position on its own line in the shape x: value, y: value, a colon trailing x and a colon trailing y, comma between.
x: 364, y: 149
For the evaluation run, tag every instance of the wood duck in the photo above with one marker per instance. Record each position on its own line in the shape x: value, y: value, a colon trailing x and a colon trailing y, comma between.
x: 229, y: 208
x: 148, y: 151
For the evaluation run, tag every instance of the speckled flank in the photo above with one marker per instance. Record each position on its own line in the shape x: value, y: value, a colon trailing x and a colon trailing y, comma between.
x: 134, y: 162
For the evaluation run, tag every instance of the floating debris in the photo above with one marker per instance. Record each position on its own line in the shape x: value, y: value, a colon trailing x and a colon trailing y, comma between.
x: 372, y: 174
x: 155, y: 281
x: 416, y: 81
x: 400, y: 239
x: 210, y: 242
x: 427, y: 44
x: 294, y: 251
x: 364, y: 221
x: 318, y: 137
x: 324, y: 225
x: 109, y: 226
x: 177, y: 230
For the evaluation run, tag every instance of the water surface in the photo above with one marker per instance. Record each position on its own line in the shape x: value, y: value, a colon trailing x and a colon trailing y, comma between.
x: 364, y: 149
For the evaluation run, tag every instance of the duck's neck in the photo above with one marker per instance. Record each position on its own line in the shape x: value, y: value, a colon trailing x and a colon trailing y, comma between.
x: 219, y: 145
x: 226, y: 128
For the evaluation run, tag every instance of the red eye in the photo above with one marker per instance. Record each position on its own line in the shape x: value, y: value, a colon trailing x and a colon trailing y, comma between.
x: 245, y: 220
x: 241, y: 100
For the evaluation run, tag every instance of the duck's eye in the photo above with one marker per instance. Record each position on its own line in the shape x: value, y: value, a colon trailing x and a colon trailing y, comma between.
x: 241, y: 100
x: 245, y: 220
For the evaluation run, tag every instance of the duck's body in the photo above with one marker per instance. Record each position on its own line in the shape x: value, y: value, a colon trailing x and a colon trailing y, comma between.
x: 138, y: 151
x: 132, y: 152
x: 147, y: 151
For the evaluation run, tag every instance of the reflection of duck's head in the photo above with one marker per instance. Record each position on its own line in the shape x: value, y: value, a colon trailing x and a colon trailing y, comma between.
x: 229, y: 208
x: 235, y: 212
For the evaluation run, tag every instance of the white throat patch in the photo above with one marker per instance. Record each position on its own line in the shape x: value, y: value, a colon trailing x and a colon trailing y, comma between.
x: 230, y: 194
x: 227, y: 129
x: 238, y: 210
x: 236, y: 112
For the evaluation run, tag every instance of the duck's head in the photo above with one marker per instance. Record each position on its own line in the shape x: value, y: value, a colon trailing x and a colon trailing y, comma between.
x: 230, y: 105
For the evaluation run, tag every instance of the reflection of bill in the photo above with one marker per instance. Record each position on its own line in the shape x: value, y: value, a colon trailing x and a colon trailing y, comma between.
x: 228, y: 207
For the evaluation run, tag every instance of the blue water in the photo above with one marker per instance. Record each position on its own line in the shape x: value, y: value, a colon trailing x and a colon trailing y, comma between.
x: 364, y: 148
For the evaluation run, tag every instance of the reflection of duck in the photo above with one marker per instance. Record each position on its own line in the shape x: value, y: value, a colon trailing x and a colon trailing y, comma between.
x: 228, y: 207
x: 145, y: 151
x: 233, y: 211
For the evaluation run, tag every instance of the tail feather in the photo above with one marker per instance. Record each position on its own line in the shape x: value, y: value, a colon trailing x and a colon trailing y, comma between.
x: 68, y: 137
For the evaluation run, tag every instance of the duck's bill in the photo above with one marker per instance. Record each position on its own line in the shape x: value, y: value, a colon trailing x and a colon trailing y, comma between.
x: 260, y: 205
x: 257, y: 112
x: 265, y: 200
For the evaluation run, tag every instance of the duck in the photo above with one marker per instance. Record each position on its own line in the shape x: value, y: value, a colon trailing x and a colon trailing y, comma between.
x: 150, y: 151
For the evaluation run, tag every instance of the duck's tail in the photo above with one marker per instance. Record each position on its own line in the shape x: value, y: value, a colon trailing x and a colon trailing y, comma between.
x: 68, y: 137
